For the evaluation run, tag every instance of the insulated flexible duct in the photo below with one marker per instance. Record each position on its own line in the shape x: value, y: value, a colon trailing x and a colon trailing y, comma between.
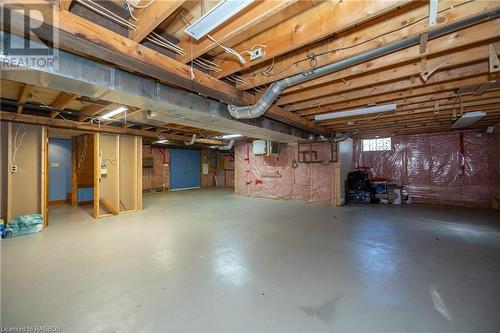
x: 272, y: 93
x: 190, y: 143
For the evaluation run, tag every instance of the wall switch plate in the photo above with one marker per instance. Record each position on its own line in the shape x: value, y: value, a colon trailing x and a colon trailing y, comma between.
x: 55, y: 165
x: 13, y: 168
x: 104, y: 172
x: 256, y: 54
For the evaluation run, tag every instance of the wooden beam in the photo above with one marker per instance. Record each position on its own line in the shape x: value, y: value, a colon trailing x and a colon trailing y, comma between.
x: 61, y: 102
x: 61, y: 123
x: 350, y: 100
x: 402, y: 84
x: 311, y: 26
x: 254, y: 15
x: 92, y: 110
x: 410, y: 22
x: 23, y: 96
x: 83, y: 37
x: 384, y: 75
x: 64, y: 4
x: 152, y: 16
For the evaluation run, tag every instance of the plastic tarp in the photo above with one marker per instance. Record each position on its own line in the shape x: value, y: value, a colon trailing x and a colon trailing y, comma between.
x: 276, y: 177
x: 23, y: 225
x: 447, y: 169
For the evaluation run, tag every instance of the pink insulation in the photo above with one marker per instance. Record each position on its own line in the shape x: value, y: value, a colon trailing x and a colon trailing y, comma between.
x: 159, y: 176
x: 277, y: 178
x: 447, y: 169
x: 224, y: 171
x: 495, y: 164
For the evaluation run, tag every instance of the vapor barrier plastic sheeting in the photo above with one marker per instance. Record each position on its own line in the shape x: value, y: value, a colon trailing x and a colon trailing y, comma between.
x: 275, y: 177
x: 447, y: 169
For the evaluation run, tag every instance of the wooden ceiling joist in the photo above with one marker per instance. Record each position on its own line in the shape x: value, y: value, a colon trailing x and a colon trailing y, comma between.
x: 396, y: 85
x: 313, y: 25
x: 83, y: 37
x: 61, y: 123
x: 152, y: 16
x: 402, y: 26
x: 357, y: 99
x: 61, y: 102
x: 23, y: 96
x: 254, y: 15
x: 451, y: 59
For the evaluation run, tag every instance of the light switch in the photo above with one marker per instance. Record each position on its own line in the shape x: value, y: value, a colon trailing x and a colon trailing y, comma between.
x: 55, y: 165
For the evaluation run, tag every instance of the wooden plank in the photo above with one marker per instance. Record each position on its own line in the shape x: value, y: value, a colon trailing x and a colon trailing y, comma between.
x: 105, y: 202
x: 97, y: 177
x: 384, y: 75
x: 64, y: 4
x: 61, y: 102
x: 254, y: 15
x: 308, y: 27
x: 23, y: 96
x: 60, y: 123
x: 44, y: 181
x: 373, y: 90
x: 408, y: 23
x: 152, y: 16
x: 352, y: 101
x: 74, y: 176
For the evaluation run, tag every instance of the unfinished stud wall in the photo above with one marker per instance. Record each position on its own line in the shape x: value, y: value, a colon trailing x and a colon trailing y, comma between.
x: 446, y: 169
x: 23, y: 192
x: 277, y: 178
x: 109, y: 190
x: 158, y: 177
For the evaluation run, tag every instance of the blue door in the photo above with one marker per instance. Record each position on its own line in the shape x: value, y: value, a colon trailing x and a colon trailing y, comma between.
x: 184, y: 169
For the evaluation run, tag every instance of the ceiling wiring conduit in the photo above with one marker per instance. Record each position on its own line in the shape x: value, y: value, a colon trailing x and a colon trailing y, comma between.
x: 275, y: 89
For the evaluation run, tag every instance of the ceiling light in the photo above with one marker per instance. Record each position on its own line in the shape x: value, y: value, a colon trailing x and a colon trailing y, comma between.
x: 163, y: 142
x: 468, y: 119
x: 219, y: 14
x: 356, y: 112
x: 114, y: 112
x: 230, y: 136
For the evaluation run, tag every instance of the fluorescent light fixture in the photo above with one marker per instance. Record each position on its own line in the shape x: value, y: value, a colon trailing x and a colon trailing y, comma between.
x: 163, y: 141
x: 231, y: 136
x: 114, y: 112
x: 219, y: 14
x: 468, y: 119
x: 356, y: 112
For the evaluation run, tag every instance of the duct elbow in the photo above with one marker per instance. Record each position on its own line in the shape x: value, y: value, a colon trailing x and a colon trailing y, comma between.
x: 228, y: 147
x: 247, y: 112
x: 190, y: 143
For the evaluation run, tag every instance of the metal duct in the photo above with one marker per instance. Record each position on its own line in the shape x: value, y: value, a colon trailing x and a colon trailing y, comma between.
x: 85, y: 77
x: 272, y: 93
x: 228, y: 147
x: 190, y: 143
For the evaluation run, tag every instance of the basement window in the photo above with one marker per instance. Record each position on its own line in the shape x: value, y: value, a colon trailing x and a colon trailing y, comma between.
x: 379, y: 144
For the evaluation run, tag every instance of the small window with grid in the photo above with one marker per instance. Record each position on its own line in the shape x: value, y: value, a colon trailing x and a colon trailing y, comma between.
x: 378, y: 144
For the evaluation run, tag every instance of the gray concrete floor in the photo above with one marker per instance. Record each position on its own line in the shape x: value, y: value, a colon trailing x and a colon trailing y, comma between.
x: 208, y: 260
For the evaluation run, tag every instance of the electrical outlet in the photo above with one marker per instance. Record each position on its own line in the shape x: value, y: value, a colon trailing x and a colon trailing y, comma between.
x: 13, y: 168
x: 256, y: 54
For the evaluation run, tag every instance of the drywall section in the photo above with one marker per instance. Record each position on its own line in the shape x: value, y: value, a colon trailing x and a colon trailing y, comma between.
x: 346, y: 153
x: 130, y: 164
x: 446, y: 169
x: 109, y: 174
x: 59, y: 170
x: 283, y: 177
x: 25, y: 188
